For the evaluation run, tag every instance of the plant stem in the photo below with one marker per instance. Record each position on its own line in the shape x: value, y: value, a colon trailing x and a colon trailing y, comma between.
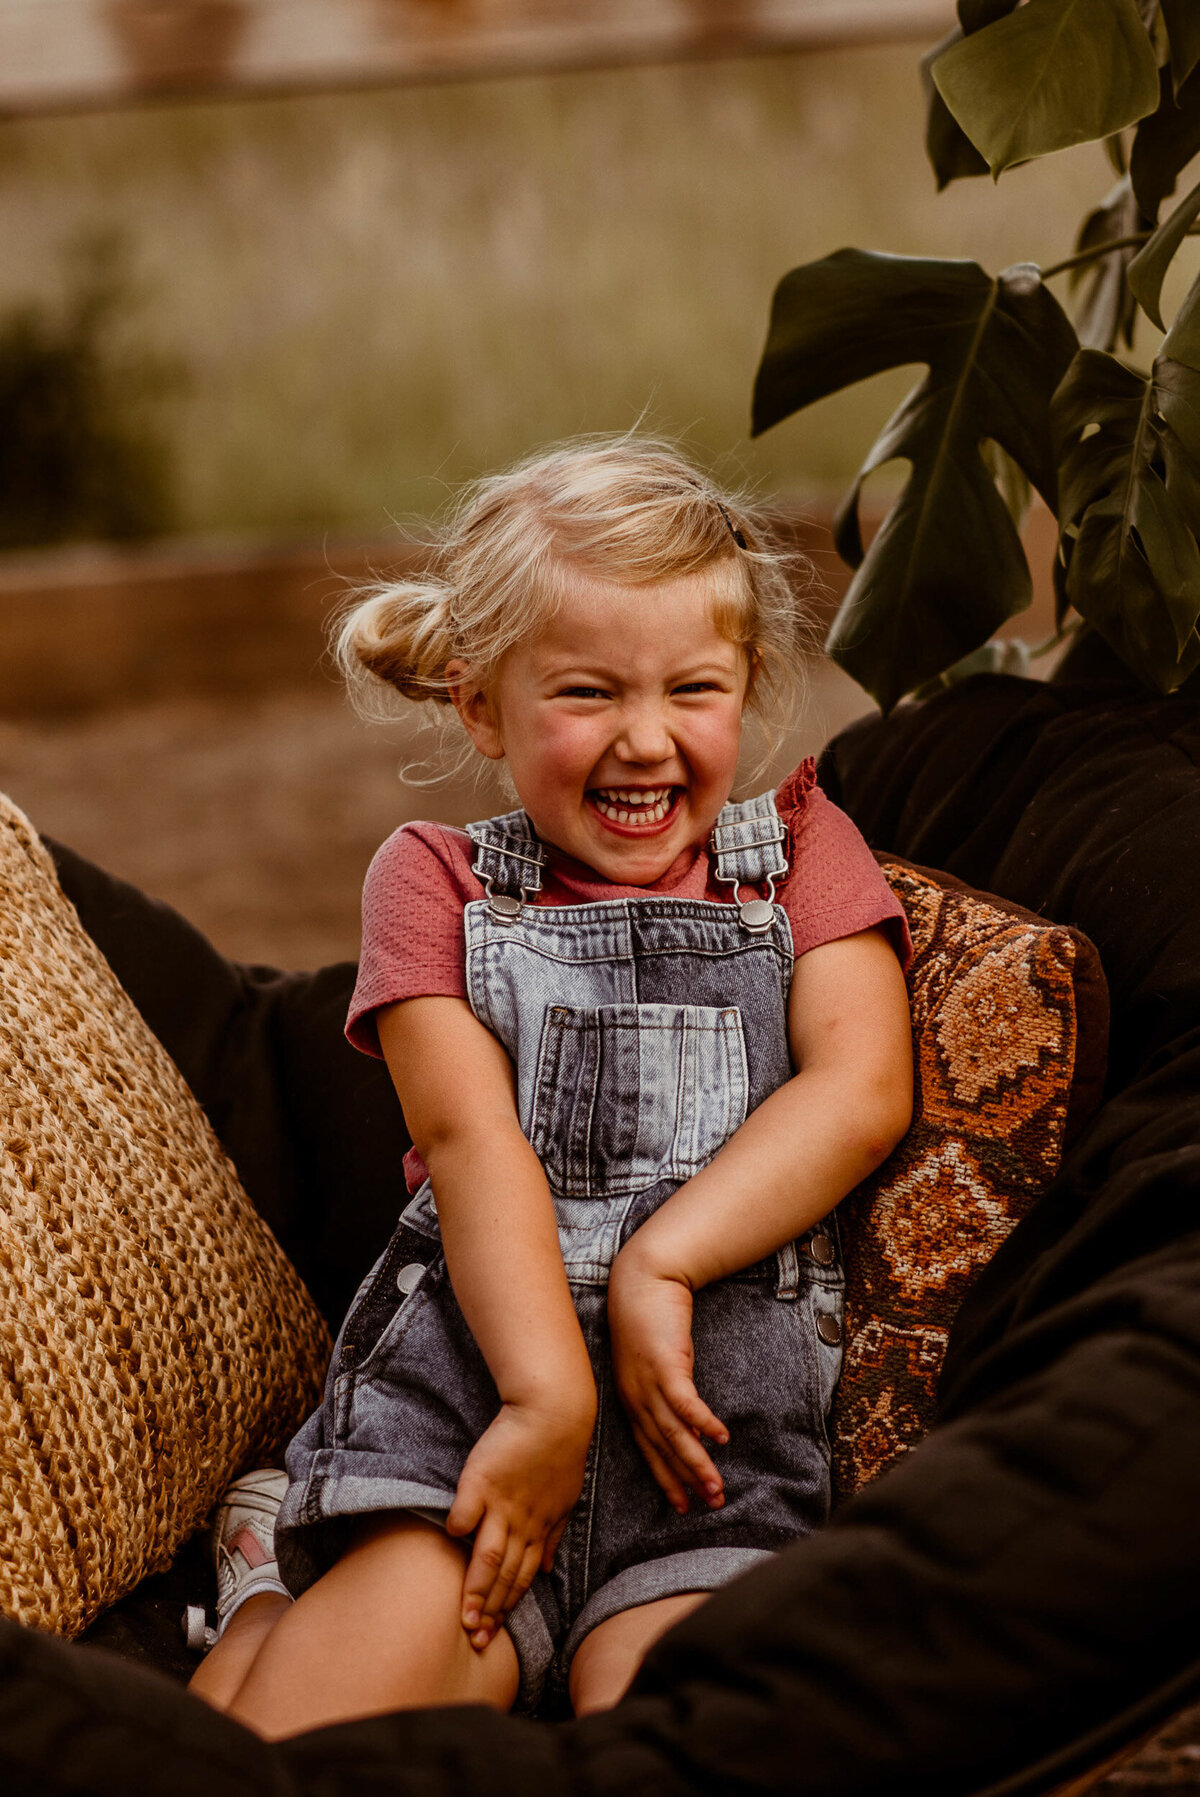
x: 1103, y: 249
x: 1097, y: 250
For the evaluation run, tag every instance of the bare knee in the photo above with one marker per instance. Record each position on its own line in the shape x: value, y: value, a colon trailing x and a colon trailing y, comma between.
x: 380, y: 1631
x: 607, y: 1659
x: 219, y: 1676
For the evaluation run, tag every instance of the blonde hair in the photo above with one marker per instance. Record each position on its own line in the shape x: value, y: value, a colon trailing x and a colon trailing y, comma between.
x: 626, y: 508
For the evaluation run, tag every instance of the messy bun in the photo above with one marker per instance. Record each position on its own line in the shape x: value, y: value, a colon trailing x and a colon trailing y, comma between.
x: 397, y: 637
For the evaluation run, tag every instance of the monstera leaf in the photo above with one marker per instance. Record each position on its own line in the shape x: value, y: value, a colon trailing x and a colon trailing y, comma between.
x: 1165, y: 142
x: 1182, y: 20
x: 1129, y: 508
x: 951, y: 153
x: 946, y: 567
x: 1148, y: 269
x: 950, y: 150
x: 1049, y: 74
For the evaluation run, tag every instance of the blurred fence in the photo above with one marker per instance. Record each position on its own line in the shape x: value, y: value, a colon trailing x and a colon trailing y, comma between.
x: 85, y: 628
x: 57, y: 54
x: 93, y: 627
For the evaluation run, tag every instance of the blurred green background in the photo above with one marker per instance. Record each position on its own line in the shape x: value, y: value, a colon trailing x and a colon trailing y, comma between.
x: 323, y: 312
x: 284, y: 324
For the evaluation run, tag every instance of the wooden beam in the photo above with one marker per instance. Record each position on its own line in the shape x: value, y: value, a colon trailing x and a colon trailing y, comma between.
x: 66, y: 55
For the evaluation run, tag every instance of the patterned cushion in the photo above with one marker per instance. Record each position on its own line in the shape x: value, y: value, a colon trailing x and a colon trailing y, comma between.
x: 154, y: 1340
x: 1009, y: 1020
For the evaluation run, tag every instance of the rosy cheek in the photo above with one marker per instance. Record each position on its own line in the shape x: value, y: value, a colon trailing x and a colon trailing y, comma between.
x: 568, y: 745
x: 716, y: 745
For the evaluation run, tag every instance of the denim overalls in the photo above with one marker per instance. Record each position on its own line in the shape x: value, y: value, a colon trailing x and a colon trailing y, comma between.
x: 643, y: 1031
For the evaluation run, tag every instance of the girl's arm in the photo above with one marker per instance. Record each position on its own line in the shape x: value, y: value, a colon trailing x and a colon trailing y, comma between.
x: 455, y: 1082
x: 788, y: 1165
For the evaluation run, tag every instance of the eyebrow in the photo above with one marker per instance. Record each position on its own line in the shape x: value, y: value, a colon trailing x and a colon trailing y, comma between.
x: 554, y: 668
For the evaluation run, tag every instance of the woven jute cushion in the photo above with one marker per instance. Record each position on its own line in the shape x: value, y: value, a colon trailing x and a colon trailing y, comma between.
x: 154, y: 1339
x: 1010, y: 1034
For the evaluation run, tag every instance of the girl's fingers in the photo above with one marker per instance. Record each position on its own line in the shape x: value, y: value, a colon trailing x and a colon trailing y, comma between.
x: 501, y: 1597
x: 686, y: 1453
x: 531, y: 1561
x: 466, y: 1510
x: 666, y: 1426
x: 690, y: 1407
x: 662, y: 1470
x: 656, y: 1427
x: 487, y: 1557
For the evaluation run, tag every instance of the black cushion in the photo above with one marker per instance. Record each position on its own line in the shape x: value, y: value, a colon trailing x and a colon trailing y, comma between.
x: 1081, y: 802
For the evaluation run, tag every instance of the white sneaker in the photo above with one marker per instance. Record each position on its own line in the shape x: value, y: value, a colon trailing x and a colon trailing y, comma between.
x: 243, y: 1542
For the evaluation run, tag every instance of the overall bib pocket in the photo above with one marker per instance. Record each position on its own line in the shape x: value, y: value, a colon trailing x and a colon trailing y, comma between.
x: 628, y: 1095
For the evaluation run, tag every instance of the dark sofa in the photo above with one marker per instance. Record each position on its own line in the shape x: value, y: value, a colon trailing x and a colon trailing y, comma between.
x: 1011, y: 1603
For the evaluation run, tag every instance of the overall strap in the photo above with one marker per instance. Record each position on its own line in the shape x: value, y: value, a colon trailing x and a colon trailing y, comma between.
x: 509, y: 860
x: 747, y: 845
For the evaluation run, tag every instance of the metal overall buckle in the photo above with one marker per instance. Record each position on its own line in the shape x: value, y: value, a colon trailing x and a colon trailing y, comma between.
x: 503, y: 906
x: 755, y: 915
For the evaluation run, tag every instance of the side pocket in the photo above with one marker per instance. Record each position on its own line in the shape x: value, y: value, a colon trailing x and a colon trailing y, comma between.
x: 397, y: 1276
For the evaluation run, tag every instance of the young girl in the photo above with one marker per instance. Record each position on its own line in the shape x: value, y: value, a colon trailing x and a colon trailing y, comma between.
x: 645, y: 1040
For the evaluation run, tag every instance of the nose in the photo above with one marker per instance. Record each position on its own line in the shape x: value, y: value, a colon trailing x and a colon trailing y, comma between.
x: 644, y: 738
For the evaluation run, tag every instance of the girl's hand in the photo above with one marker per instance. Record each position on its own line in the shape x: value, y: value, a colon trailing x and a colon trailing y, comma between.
x: 520, y: 1480
x: 650, y: 1321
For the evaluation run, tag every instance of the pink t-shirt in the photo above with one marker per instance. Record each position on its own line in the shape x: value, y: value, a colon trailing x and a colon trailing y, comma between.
x: 414, y: 940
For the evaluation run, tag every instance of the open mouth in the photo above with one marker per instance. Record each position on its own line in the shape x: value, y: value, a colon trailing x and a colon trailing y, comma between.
x: 634, y: 805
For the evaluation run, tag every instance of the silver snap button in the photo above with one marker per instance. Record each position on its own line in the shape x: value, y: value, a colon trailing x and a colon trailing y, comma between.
x: 505, y: 906
x: 821, y: 1250
x: 756, y: 915
x: 409, y: 1277
x: 829, y: 1329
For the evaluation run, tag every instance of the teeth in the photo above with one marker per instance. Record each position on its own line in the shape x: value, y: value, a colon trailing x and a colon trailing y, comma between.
x: 652, y: 803
x: 637, y: 795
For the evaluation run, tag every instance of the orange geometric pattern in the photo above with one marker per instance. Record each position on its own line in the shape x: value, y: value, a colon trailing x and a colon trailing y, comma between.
x: 1006, y: 1061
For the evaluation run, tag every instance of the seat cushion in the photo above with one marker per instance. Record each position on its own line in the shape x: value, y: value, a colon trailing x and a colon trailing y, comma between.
x: 154, y: 1339
x: 1009, y: 1023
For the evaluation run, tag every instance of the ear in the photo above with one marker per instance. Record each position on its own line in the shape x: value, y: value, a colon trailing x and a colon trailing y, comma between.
x: 480, y: 718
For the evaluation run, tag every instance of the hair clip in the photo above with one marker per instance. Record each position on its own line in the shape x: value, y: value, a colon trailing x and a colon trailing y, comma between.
x: 732, y: 528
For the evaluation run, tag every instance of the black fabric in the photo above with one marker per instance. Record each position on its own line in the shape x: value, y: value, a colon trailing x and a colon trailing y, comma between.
x: 1081, y: 802
x: 1019, y: 1596
x: 74, y: 1721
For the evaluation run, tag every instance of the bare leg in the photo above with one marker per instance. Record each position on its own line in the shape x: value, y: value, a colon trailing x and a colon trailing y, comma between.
x: 607, y: 1659
x: 219, y: 1675
x: 380, y: 1631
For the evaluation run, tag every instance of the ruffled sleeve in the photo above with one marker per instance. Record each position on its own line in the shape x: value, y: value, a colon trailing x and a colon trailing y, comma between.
x: 796, y: 788
x: 834, y: 886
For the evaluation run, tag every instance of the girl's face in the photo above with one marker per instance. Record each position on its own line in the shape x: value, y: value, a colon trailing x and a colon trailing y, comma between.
x: 620, y: 724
